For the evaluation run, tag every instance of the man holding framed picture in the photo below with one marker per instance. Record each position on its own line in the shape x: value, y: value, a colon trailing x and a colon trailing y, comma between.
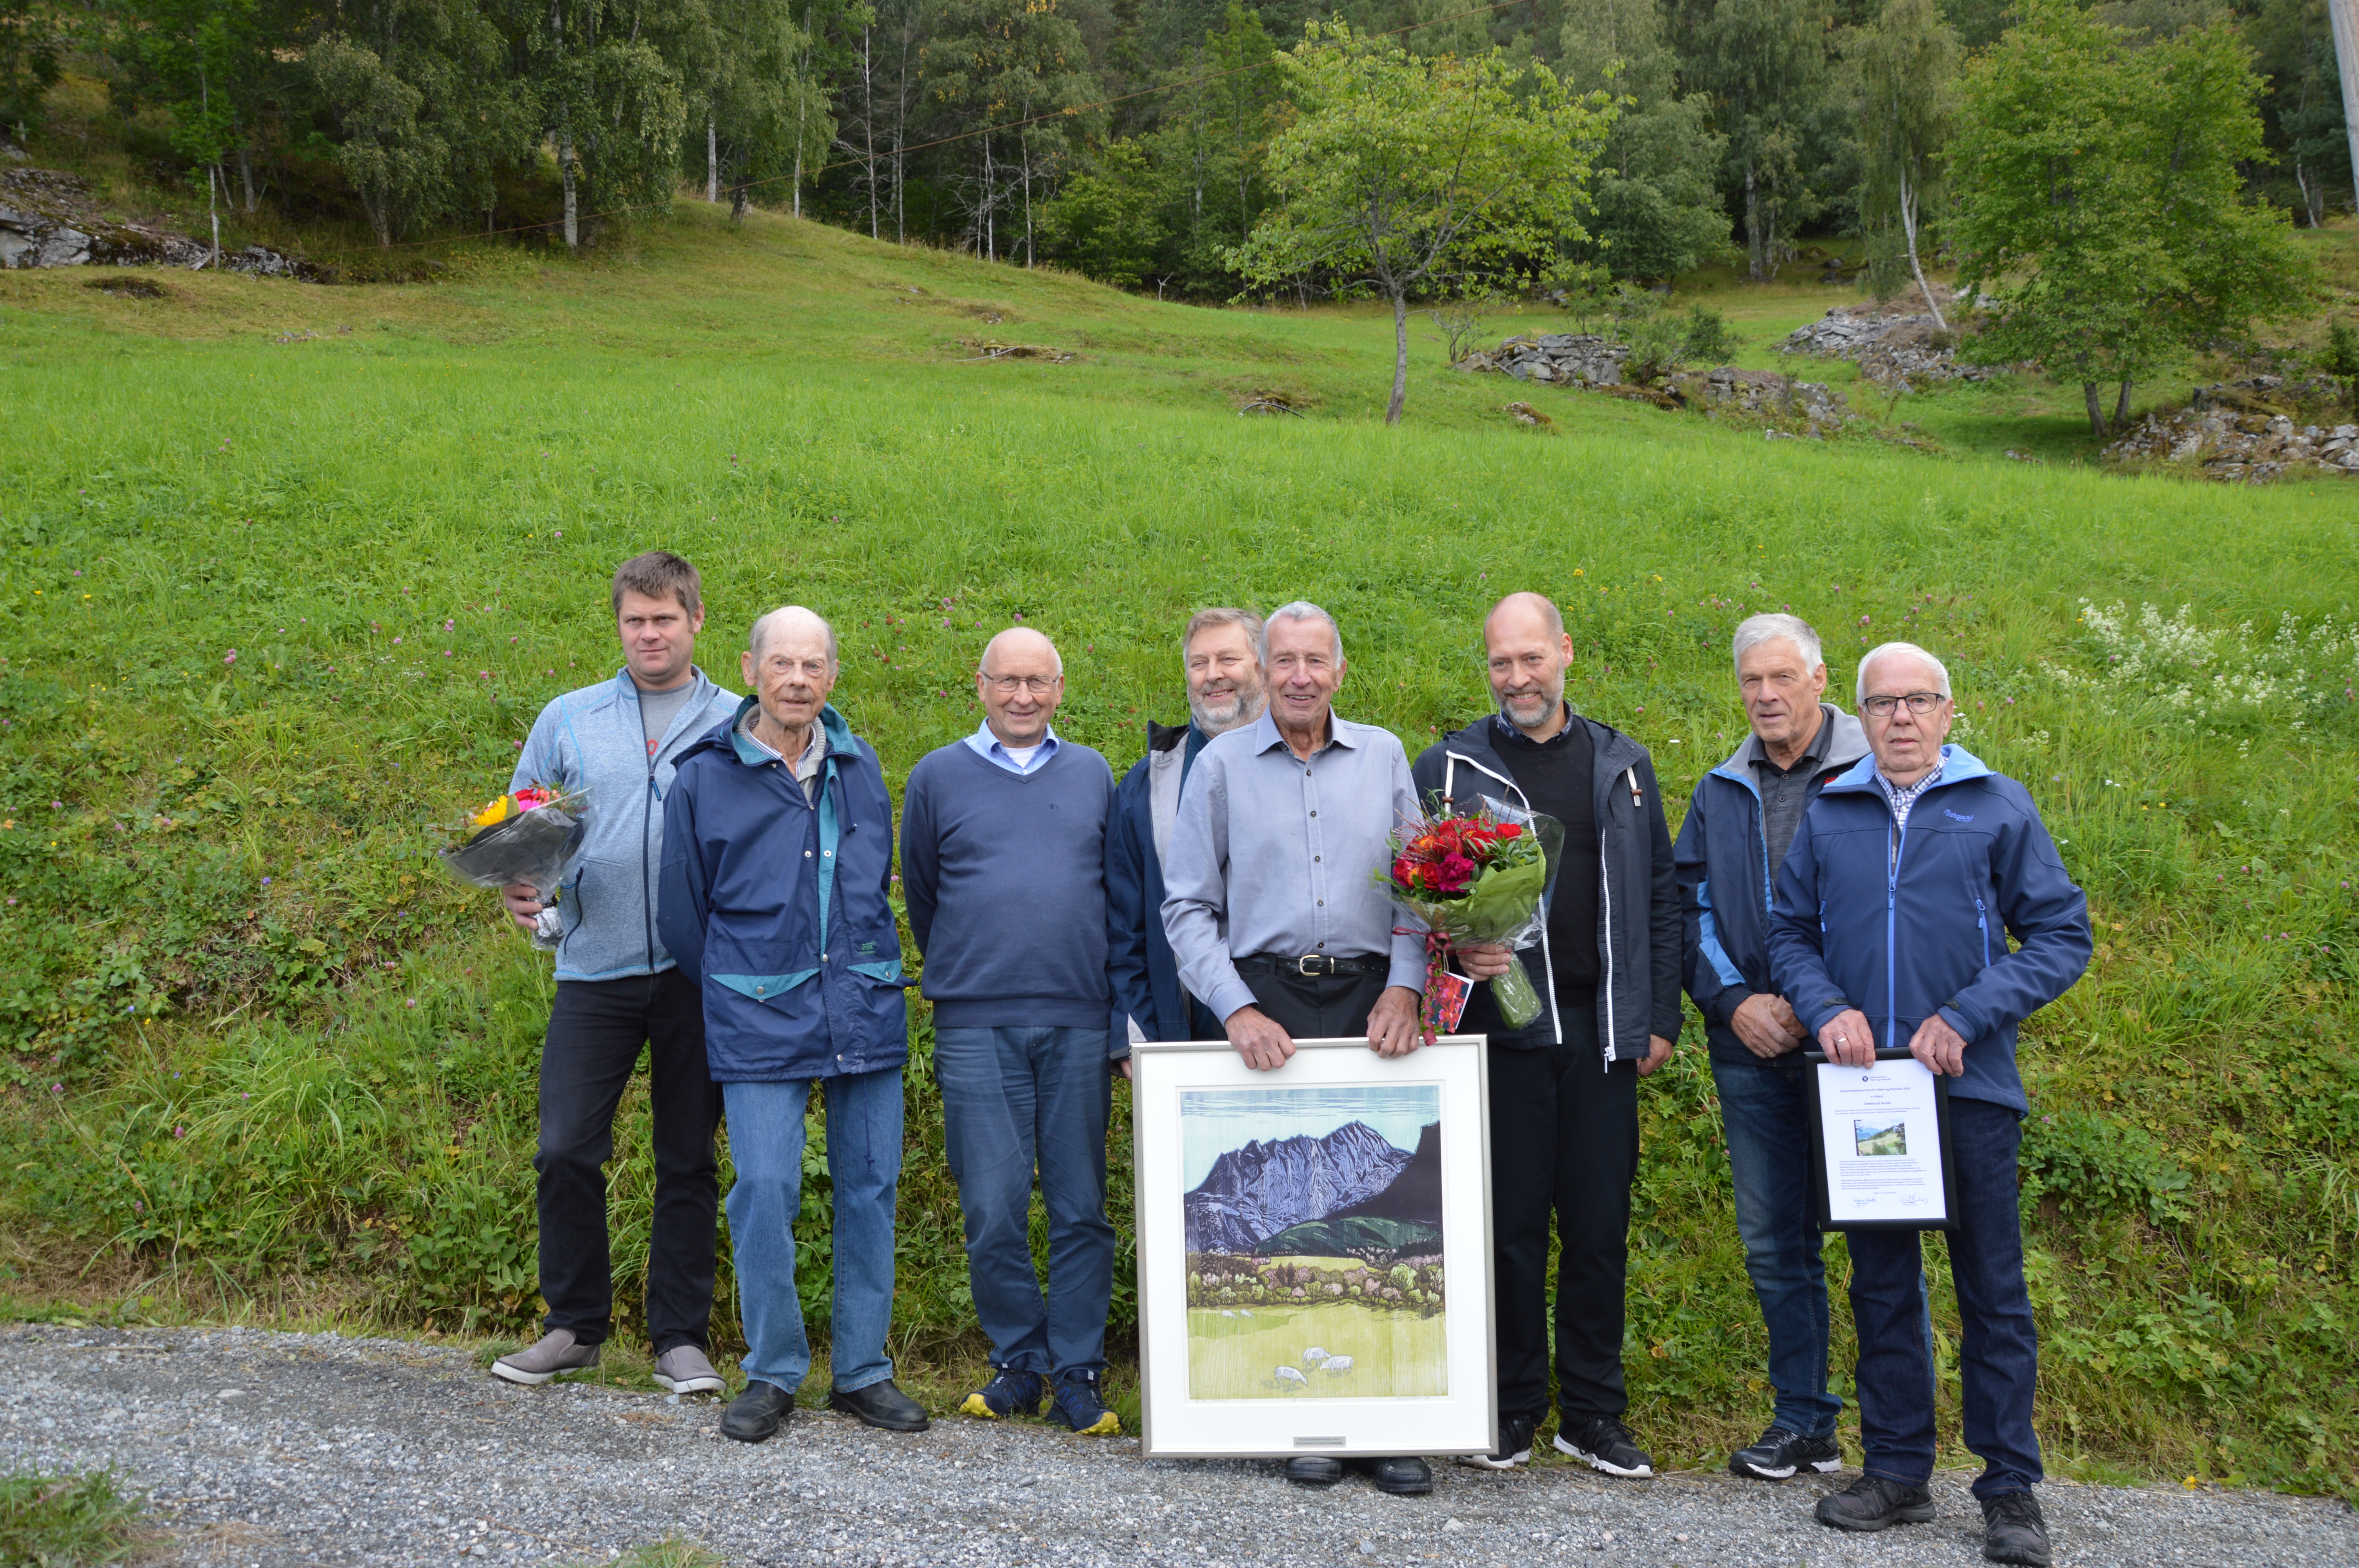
x: 1894, y: 908
x: 1272, y: 912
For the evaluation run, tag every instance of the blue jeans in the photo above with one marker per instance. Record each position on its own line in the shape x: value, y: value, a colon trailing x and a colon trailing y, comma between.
x: 1014, y: 1099
x: 864, y: 1161
x: 1765, y: 1110
x: 1998, y: 1355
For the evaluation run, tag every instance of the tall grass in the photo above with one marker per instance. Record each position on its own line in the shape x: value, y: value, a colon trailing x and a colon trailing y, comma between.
x: 279, y: 609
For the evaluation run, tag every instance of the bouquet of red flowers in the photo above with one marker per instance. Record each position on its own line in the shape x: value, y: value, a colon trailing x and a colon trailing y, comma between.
x: 1477, y: 877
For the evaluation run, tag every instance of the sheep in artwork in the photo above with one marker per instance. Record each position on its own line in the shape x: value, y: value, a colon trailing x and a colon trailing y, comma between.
x: 1289, y: 1375
x: 1338, y: 1365
x: 1312, y: 1357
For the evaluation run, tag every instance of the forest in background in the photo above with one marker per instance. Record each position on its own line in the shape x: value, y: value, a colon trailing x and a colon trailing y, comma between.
x: 1127, y: 139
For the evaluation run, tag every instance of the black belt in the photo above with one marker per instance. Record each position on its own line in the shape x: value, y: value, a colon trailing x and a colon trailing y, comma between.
x: 1312, y: 964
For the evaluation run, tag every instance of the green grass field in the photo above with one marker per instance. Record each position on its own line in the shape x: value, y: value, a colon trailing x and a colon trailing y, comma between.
x: 284, y: 596
x: 1394, y: 1355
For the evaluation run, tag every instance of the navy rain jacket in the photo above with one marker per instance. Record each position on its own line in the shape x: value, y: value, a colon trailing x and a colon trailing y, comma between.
x: 1727, y: 884
x: 1145, y: 976
x: 1903, y: 934
x: 780, y: 908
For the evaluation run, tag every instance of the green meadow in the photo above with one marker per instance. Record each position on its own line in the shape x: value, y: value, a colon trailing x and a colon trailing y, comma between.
x: 1393, y: 1355
x: 292, y: 568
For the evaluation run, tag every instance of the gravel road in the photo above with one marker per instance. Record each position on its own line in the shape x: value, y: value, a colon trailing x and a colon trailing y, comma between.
x: 279, y: 1449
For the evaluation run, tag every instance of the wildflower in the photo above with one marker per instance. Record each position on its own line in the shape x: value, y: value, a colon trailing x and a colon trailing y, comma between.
x: 265, y: 882
x: 413, y: 1002
x: 180, y: 1132
x: 57, y: 1088
x: 229, y: 657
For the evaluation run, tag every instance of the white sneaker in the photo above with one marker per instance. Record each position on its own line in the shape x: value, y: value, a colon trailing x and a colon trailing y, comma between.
x: 684, y: 1369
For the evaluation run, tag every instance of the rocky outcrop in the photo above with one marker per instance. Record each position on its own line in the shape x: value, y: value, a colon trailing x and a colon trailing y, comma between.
x: 2221, y: 443
x: 1258, y: 1190
x: 1566, y: 359
x: 1890, y: 350
x: 50, y: 218
x: 1764, y: 394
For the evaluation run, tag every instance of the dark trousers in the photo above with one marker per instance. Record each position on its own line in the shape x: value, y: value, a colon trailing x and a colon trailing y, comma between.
x: 595, y: 1031
x: 1564, y: 1142
x: 1314, y: 1007
x: 1998, y: 1351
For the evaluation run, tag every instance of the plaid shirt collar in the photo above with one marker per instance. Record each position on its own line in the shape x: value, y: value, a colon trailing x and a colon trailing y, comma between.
x: 1903, y: 797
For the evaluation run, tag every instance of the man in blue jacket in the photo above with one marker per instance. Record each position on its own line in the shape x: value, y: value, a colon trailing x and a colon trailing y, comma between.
x: 777, y: 865
x: 617, y: 988
x: 1894, y: 909
x: 1225, y: 690
x: 1737, y: 830
x: 1003, y: 860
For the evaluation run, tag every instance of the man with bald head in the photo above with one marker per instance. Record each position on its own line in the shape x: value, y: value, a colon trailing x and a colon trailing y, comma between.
x: 1895, y: 905
x: 1003, y: 865
x: 777, y: 869
x: 1564, y: 1088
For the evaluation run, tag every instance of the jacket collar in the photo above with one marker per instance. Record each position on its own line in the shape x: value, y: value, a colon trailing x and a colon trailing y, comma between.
x: 1958, y: 766
x: 1846, y: 743
x: 1612, y: 750
x: 841, y: 744
x: 1165, y: 737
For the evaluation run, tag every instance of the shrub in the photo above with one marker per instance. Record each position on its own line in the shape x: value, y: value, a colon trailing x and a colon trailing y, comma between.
x: 2097, y: 1166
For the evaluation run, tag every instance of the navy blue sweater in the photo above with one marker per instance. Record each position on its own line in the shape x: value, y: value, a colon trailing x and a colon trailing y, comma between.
x: 1005, y: 874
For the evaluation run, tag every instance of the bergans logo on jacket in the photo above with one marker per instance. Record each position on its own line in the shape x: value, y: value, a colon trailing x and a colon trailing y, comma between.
x: 596, y: 738
x: 1905, y: 922
x: 1638, y: 900
x: 779, y: 906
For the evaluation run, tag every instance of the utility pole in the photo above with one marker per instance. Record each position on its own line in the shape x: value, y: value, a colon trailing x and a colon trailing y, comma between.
x: 2346, y: 65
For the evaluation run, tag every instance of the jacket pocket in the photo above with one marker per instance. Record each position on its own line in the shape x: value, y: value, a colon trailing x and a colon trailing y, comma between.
x: 762, y: 988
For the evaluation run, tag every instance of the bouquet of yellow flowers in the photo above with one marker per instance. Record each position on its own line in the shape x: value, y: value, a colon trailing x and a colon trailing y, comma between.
x: 528, y: 835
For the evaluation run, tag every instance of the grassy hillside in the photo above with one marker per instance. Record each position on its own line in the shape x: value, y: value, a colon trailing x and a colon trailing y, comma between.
x: 287, y: 595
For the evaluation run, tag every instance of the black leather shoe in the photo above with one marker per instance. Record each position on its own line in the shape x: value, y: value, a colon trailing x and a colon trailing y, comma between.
x: 2013, y: 1530
x: 881, y: 1405
x: 758, y: 1413
x: 1874, y: 1503
x: 1314, y: 1470
x: 1403, y: 1478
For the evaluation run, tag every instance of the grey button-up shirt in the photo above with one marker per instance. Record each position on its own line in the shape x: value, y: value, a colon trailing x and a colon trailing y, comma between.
x: 1275, y: 855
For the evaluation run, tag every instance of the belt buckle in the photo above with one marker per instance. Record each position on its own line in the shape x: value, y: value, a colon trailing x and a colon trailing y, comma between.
x: 1302, y: 964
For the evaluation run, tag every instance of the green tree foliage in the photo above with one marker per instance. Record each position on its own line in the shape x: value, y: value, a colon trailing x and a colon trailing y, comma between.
x: 2294, y: 44
x: 611, y: 101
x: 31, y: 48
x: 763, y: 113
x: 1764, y: 64
x: 2100, y: 197
x: 1659, y: 211
x: 1017, y: 71
x: 1107, y: 220
x: 1404, y: 171
x: 1905, y: 65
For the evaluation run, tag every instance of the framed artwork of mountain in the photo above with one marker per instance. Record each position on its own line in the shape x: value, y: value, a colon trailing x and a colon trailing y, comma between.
x: 1314, y: 1250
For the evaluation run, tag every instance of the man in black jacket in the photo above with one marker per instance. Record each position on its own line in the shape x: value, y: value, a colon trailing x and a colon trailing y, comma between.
x: 1564, y: 1090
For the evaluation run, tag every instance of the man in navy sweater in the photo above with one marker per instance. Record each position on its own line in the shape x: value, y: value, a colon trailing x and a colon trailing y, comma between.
x: 1003, y: 862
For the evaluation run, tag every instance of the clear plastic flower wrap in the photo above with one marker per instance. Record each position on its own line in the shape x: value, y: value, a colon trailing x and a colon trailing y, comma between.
x: 530, y: 836
x: 1477, y: 877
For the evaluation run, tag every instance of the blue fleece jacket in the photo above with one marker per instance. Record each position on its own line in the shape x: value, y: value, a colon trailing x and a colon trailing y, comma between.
x: 1004, y: 879
x: 780, y: 908
x: 595, y: 737
x: 1904, y: 924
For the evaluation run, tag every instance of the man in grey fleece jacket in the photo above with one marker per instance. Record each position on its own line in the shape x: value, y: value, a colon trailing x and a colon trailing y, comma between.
x: 618, y: 989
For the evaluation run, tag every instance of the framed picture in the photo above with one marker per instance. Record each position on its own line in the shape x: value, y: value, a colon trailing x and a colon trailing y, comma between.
x: 1881, y: 1158
x: 1314, y: 1250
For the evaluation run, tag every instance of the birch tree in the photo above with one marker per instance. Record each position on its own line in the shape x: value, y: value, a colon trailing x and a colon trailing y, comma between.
x: 1906, y: 62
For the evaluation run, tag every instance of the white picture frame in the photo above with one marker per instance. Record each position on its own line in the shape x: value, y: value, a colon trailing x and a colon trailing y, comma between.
x: 1415, y: 1338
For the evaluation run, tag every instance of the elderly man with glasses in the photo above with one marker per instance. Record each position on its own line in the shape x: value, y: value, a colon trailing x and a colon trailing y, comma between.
x: 1268, y: 897
x: 1893, y: 911
x: 1003, y: 862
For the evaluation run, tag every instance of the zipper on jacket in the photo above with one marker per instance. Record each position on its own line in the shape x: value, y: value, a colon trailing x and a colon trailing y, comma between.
x: 1892, y: 936
x: 1982, y: 923
x: 1605, y: 924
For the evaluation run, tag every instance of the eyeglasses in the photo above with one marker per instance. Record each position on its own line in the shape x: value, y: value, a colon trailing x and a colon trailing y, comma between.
x: 1918, y: 701
x: 1008, y: 686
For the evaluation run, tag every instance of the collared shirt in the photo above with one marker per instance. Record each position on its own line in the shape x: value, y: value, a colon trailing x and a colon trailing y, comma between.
x: 806, y: 766
x: 1275, y: 855
x: 1902, y: 798
x: 1786, y: 792
x: 989, y: 746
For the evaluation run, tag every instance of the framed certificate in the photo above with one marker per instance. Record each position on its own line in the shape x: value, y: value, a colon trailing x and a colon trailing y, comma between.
x: 1882, y: 1158
x: 1314, y: 1250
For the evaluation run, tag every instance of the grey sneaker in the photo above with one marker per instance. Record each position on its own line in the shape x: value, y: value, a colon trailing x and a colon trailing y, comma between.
x: 554, y: 1355
x: 684, y: 1369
